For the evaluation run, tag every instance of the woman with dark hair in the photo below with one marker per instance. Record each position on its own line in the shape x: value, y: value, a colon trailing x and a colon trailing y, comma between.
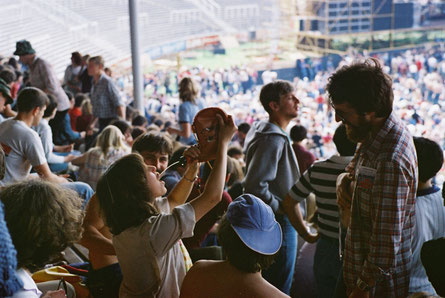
x: 147, y: 228
x: 71, y: 81
x: 43, y: 218
x: 190, y: 105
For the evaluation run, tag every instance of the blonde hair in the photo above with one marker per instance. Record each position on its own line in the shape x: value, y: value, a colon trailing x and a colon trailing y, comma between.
x: 110, y: 138
x: 86, y: 107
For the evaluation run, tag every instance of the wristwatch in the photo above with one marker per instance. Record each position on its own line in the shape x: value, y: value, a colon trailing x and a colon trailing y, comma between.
x: 363, y: 286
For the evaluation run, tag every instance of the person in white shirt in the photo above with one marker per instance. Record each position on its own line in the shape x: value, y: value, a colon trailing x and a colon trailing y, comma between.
x: 430, y: 210
x: 147, y: 228
x: 56, y: 162
x: 22, y: 145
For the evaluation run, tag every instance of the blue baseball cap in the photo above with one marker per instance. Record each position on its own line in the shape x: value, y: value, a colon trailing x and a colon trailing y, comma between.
x: 254, y: 222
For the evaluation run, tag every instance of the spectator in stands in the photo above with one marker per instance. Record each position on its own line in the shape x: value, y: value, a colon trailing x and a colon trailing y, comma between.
x: 250, y: 237
x: 235, y: 152
x: 156, y: 149
x: 23, y: 147
x: 108, y: 72
x: 104, y: 274
x: 17, y: 84
x: 27, y: 151
x: 125, y: 128
x: 105, y: 98
x: 382, y: 214
x: 71, y: 80
x: 42, y: 76
x: 136, y: 132
x: 272, y: 169
x: 139, y: 121
x: 430, y: 211
x: 9, y: 77
x: 43, y: 219
x: 298, y: 134
x: 189, y: 107
x: 5, y: 97
x: 320, y: 179
x: 7, y: 74
x: 243, y: 129
x: 9, y: 282
x: 174, y: 173
x: 86, y: 80
x: 66, y: 135
x: 110, y: 146
x: 146, y: 228
x: 56, y: 163
x: 76, y: 111
x: 84, y: 121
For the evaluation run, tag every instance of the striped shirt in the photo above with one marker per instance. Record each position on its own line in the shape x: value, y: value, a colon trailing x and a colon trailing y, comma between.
x: 320, y: 179
x: 380, y: 233
x: 430, y: 224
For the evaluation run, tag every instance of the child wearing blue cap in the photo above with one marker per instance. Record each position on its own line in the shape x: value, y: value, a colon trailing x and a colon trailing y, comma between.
x: 147, y: 228
x: 250, y: 237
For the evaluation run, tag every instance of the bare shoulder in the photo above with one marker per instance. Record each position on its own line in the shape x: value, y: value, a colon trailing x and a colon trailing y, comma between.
x: 195, y: 280
x: 268, y: 290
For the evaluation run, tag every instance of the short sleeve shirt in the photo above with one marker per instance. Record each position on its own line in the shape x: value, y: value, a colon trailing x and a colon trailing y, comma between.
x: 187, y: 112
x: 150, y: 256
x: 23, y: 150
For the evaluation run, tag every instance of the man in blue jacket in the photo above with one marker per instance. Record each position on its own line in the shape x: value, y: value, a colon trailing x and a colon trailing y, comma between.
x: 272, y: 169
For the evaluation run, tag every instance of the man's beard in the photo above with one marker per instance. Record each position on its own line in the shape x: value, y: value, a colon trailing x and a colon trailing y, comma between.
x: 358, y: 133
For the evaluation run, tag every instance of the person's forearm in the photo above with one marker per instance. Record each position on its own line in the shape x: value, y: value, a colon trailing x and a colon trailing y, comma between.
x: 218, y: 173
x: 345, y: 216
x: 183, y: 188
x: 121, y: 112
x: 292, y: 209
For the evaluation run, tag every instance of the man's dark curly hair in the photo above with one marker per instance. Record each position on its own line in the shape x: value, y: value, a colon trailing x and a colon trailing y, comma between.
x: 43, y: 218
x: 364, y: 86
x: 238, y: 254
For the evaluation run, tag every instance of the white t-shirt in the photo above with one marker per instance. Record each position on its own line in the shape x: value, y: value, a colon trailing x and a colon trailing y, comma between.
x: 150, y: 257
x: 46, y: 135
x: 430, y: 224
x: 23, y: 150
x: 29, y: 289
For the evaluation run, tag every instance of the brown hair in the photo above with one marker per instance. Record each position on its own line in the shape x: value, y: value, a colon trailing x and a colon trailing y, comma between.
x: 188, y: 90
x: 43, y: 218
x: 273, y: 91
x: 123, y: 193
x: 153, y: 142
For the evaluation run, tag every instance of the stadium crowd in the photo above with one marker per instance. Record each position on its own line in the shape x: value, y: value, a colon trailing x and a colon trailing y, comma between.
x: 292, y: 203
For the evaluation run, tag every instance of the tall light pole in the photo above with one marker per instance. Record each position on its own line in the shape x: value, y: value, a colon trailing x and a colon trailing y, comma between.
x: 138, y: 90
